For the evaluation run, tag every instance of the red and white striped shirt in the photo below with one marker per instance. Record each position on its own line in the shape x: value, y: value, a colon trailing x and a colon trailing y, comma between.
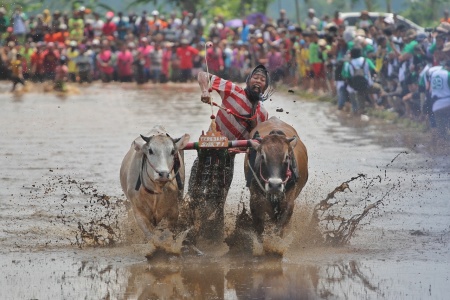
x: 235, y: 99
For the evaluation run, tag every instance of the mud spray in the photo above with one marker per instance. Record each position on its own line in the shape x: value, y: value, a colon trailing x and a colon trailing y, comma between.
x: 94, y: 218
x: 332, y: 221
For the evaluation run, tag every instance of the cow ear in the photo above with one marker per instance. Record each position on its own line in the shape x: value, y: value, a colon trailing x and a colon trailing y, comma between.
x: 146, y: 139
x: 137, y: 146
x: 255, y: 145
x: 293, y: 141
x: 181, y: 142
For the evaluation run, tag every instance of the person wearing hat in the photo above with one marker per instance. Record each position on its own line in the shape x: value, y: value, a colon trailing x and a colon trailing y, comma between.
x: 311, y: 19
x: 357, y: 73
x: 316, y: 61
x: 436, y: 49
x: 242, y: 108
x: 410, y: 43
x: 364, y: 20
x: 283, y: 21
x: 72, y: 54
x: 439, y: 88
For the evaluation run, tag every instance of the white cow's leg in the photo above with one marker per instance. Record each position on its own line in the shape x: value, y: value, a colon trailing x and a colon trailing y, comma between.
x: 144, y: 223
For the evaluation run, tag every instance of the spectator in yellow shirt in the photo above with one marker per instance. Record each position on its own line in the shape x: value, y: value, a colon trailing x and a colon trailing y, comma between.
x: 16, y: 72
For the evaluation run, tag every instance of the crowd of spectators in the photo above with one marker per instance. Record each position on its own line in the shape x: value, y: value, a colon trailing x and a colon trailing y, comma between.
x: 318, y: 56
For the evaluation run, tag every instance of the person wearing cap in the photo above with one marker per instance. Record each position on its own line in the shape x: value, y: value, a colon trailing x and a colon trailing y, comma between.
x: 72, y: 54
x: 312, y: 20
x: 46, y: 18
x: 61, y: 35
x: 186, y: 53
x: 156, y: 24
x: 436, y: 48
x: 283, y: 21
x: 439, y: 88
x: 359, y: 98
x: 364, y: 20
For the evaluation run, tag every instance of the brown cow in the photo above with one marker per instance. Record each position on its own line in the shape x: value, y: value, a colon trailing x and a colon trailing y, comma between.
x: 277, y: 171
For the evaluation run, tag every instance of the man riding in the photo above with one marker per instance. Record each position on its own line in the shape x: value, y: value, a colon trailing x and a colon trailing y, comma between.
x: 241, y: 108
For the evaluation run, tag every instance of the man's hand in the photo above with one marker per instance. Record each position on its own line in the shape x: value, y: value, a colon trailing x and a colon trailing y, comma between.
x: 206, y: 97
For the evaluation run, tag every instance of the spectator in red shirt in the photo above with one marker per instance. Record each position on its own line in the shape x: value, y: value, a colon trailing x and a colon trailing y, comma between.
x: 125, y: 64
x: 37, y: 63
x: 50, y: 60
x: 109, y: 27
x: 186, y: 54
x: 214, y: 57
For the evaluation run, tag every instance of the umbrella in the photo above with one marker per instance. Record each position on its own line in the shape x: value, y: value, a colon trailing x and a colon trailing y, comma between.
x: 235, y: 23
x: 252, y: 18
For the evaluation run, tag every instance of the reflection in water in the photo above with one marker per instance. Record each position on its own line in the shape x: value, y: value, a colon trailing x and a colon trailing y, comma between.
x: 254, y: 279
x: 176, y: 281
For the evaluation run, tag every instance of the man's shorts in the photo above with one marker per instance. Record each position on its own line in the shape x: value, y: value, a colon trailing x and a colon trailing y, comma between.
x: 319, y: 70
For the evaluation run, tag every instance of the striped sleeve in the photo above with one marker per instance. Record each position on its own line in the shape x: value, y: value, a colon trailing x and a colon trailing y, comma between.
x: 222, y: 86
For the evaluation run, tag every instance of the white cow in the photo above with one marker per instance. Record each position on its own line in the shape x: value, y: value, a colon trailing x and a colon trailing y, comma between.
x: 152, y: 178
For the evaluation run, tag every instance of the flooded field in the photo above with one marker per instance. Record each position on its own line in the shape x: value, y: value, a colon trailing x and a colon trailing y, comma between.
x: 373, y: 221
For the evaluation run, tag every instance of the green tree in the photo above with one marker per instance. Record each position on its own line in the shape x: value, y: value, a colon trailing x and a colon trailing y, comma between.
x: 25, y: 5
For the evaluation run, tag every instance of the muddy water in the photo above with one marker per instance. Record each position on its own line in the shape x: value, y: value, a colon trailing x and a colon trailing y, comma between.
x: 65, y: 230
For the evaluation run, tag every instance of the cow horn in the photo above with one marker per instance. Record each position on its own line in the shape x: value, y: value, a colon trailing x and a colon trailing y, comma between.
x: 146, y: 139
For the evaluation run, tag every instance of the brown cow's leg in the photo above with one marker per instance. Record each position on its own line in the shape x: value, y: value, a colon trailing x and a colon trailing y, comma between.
x: 257, y: 214
x: 286, y: 213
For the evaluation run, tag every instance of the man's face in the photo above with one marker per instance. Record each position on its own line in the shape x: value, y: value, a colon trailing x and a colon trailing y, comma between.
x: 257, y: 82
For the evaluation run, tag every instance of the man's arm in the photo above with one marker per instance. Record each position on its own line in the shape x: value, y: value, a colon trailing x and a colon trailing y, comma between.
x: 203, y: 81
